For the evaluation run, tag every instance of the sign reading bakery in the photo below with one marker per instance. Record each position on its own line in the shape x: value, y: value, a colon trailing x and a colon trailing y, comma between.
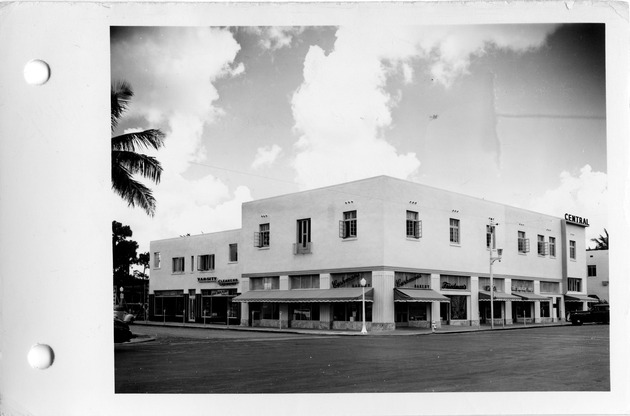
x: 574, y: 219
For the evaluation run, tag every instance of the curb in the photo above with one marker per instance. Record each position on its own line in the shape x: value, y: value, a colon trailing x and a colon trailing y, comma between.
x: 399, y: 332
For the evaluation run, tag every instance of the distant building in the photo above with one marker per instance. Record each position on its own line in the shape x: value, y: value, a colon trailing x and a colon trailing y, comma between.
x: 424, y: 253
x: 597, y: 274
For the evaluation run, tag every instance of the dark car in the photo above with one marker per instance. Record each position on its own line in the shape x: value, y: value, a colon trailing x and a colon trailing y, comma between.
x: 599, y: 313
x: 121, y: 331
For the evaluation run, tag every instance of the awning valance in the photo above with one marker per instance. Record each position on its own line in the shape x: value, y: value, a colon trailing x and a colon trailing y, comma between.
x: 531, y: 296
x: 579, y: 298
x: 498, y: 296
x: 418, y: 295
x: 345, y: 294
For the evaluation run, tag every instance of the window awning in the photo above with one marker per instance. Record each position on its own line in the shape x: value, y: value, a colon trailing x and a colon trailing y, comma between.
x: 344, y: 294
x: 498, y: 296
x: 531, y: 296
x: 418, y: 295
x: 579, y: 298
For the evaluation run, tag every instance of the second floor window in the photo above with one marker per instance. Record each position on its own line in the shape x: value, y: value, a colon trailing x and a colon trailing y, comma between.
x: 264, y: 283
x: 523, y: 243
x: 304, y: 232
x: 262, y: 237
x: 572, y: 249
x: 205, y: 262
x: 413, y: 225
x: 348, y: 227
x: 552, y: 246
x: 178, y: 264
x: 591, y: 270
x: 542, y: 245
x: 157, y: 260
x: 233, y: 252
x: 454, y: 231
x: 574, y: 285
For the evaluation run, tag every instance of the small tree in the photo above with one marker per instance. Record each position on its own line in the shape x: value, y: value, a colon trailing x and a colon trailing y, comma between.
x: 601, y: 241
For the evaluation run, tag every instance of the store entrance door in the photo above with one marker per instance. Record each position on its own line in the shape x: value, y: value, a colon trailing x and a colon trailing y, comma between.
x: 445, y: 311
x: 191, y: 309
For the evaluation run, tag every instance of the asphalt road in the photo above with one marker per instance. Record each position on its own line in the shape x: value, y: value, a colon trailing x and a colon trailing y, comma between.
x: 187, y: 360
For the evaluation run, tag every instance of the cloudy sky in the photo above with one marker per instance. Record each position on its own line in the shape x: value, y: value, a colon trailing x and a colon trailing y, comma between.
x: 511, y: 113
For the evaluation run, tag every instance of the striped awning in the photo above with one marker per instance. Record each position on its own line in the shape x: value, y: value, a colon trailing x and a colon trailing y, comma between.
x: 531, y: 296
x: 498, y: 296
x: 418, y: 295
x: 344, y: 294
x: 579, y: 298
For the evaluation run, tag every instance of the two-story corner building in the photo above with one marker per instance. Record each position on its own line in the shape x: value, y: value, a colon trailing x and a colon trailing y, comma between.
x: 194, y: 278
x: 423, y: 253
x: 597, y: 274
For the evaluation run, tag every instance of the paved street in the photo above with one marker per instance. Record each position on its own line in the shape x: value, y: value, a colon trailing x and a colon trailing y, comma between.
x: 189, y: 360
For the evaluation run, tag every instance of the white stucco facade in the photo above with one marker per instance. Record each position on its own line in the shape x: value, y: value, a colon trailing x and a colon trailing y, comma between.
x: 423, y: 252
x: 598, y: 274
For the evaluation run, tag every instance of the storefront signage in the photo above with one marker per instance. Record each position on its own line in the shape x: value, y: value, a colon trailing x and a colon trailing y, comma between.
x: 345, y: 280
x: 206, y: 279
x: 221, y: 292
x: 448, y: 285
x: 226, y: 282
x: 522, y: 289
x: 401, y: 282
x: 574, y: 219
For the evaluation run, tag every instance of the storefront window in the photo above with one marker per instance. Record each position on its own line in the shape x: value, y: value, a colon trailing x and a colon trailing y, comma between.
x: 412, y: 280
x: 458, y: 307
x: 305, y: 282
x: 522, y: 286
x: 169, y: 305
x: 264, y: 283
x: 449, y: 282
x: 484, y: 284
x: 351, y: 311
x: 544, y: 310
x: 305, y: 312
x: 549, y: 287
x: 350, y: 279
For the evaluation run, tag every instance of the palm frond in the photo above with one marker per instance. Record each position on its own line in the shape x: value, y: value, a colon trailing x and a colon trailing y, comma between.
x: 121, y: 94
x: 137, y: 163
x: 132, y: 191
x: 133, y: 141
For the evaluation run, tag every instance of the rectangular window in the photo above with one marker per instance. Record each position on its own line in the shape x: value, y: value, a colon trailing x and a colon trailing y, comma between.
x: 305, y: 282
x: 591, y: 270
x: 413, y: 226
x: 348, y: 226
x: 157, y: 260
x: 552, y: 246
x: 233, y: 253
x: 262, y: 237
x: 303, y: 238
x: 549, y: 287
x: 192, y: 263
x: 205, y: 262
x: 523, y: 243
x: 178, y: 264
x: 459, y: 307
x: 491, y: 236
x: 305, y: 312
x: 574, y: 285
x: 264, y: 283
x: 572, y: 249
x: 454, y: 231
x: 542, y: 245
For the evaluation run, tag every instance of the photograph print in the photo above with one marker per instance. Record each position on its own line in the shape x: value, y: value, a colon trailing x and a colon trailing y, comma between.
x: 363, y: 208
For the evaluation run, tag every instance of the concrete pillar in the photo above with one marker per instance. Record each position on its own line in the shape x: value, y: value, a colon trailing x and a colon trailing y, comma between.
x: 473, y: 305
x: 435, y: 306
x: 508, y: 305
x: 324, y: 281
x: 537, y: 303
x: 284, y: 282
x: 244, y: 314
x: 284, y: 315
x: 383, y: 306
x: 563, y: 314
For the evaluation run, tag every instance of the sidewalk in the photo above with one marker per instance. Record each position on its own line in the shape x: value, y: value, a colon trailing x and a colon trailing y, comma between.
x: 446, y: 329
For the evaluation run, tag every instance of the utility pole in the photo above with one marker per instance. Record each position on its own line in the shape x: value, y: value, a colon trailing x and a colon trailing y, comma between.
x: 492, y: 260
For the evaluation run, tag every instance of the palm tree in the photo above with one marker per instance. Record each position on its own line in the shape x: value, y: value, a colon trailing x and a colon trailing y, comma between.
x: 126, y: 161
x: 601, y: 241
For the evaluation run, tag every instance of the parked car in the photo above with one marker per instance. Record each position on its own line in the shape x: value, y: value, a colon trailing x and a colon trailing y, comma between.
x: 121, y: 331
x: 599, y: 313
x: 122, y: 313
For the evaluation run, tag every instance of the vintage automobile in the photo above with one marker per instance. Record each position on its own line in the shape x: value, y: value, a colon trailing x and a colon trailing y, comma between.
x: 599, y: 313
x: 121, y: 331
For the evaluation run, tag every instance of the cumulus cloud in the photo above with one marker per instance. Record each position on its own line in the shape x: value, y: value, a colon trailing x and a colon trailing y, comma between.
x: 275, y: 37
x: 172, y: 72
x: 584, y: 194
x: 342, y: 110
x: 266, y: 156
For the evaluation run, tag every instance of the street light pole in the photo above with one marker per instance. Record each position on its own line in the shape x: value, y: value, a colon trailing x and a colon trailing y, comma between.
x: 492, y: 260
x: 363, y: 283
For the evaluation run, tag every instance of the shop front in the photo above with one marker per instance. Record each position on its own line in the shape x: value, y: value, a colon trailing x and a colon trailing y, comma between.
x: 217, y: 307
x: 457, y: 310
x: 499, y: 306
x: 339, y: 308
x: 576, y: 302
x: 532, y: 308
x: 167, y: 305
x: 413, y: 307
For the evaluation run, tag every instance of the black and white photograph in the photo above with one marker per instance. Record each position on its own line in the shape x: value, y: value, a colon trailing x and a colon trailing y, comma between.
x: 308, y: 185
x: 380, y: 208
